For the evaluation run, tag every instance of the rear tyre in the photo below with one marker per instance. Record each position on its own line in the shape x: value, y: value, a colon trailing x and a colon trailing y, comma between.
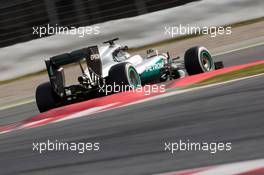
x: 123, y: 76
x: 45, y: 97
x: 198, y: 60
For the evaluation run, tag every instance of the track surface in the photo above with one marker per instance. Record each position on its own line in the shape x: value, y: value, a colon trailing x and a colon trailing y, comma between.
x: 132, y: 138
x: 230, y: 59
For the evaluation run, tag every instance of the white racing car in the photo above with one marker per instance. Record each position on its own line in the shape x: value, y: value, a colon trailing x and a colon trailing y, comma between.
x: 111, y: 64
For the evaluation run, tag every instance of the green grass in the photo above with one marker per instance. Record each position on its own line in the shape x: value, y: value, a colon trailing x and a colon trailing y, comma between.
x: 249, y: 71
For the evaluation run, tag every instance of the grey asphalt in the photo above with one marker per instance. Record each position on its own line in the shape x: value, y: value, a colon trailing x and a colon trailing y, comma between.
x: 132, y: 138
x: 242, y: 56
x: 18, y: 113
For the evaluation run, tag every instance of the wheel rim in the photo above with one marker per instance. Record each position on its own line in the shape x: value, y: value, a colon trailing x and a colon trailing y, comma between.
x: 206, y: 61
x: 133, y: 78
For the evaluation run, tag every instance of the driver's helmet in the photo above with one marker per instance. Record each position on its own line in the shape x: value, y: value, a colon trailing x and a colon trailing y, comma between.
x: 120, y: 55
x: 152, y: 52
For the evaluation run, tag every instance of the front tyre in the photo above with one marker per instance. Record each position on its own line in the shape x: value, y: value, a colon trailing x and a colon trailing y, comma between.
x: 198, y: 60
x: 46, y: 98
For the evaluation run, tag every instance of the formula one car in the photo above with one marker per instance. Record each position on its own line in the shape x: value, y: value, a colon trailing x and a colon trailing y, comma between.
x: 111, y: 64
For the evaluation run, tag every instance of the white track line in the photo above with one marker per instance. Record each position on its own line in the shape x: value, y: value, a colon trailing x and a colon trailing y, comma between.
x: 240, y: 48
x: 16, y: 104
x: 84, y: 112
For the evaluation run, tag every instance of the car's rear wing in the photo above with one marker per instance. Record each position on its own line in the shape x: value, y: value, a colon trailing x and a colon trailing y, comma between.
x: 55, y: 65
